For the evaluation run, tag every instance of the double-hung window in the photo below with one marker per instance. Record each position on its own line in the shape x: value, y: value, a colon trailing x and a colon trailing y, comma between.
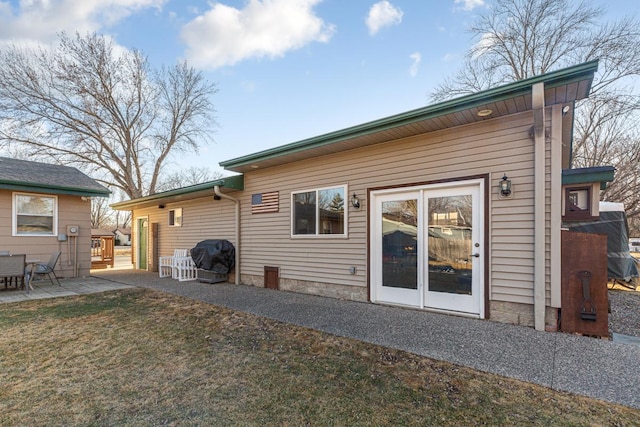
x: 34, y: 215
x: 319, y: 212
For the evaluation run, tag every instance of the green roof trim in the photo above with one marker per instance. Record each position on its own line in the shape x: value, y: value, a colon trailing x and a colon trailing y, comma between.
x: 235, y: 182
x: 53, y: 189
x: 521, y: 87
x: 601, y: 174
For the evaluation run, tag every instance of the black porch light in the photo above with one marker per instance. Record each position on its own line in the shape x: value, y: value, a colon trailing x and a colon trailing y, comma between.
x: 505, y: 186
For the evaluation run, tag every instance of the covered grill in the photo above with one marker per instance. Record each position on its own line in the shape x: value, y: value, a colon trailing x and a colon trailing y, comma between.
x: 214, y: 259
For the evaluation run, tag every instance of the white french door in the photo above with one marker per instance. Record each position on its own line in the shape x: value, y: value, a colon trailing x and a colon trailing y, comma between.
x: 427, y: 247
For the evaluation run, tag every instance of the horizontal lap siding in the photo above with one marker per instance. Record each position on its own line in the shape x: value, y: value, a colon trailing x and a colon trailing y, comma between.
x: 72, y: 210
x: 202, y: 219
x: 267, y: 241
x: 493, y: 147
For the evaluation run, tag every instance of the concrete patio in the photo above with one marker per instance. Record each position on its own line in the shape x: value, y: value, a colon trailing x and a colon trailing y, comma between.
x: 68, y: 287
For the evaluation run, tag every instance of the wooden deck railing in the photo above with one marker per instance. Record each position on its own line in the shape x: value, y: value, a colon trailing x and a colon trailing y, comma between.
x: 102, y: 251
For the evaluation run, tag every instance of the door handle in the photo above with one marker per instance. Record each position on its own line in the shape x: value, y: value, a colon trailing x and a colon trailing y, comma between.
x: 476, y: 255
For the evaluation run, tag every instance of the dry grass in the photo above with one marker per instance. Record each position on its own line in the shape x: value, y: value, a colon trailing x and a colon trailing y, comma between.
x: 140, y: 357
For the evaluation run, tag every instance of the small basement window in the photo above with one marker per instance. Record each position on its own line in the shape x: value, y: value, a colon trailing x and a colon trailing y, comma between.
x: 175, y: 217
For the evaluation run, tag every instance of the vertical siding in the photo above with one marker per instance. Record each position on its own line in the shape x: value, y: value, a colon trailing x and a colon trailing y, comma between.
x: 71, y: 211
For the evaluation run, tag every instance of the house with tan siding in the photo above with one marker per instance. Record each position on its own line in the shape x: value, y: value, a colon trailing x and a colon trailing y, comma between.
x: 46, y: 208
x: 455, y: 207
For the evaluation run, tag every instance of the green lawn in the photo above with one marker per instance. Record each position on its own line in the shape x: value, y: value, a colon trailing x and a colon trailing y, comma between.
x: 139, y: 357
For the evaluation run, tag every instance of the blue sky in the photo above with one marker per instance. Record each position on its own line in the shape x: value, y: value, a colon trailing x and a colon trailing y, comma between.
x: 286, y: 70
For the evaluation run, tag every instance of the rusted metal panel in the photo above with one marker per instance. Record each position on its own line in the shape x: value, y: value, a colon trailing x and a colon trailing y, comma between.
x: 585, y: 303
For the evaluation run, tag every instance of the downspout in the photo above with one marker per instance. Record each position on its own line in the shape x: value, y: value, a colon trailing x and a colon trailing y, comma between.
x: 216, y: 190
x: 556, y: 205
x: 539, y: 261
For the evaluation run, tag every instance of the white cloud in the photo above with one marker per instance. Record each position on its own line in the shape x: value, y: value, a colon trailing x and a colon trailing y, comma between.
x: 40, y: 20
x: 469, y: 4
x: 225, y: 35
x: 449, y: 57
x: 486, y: 42
x: 416, y: 58
x: 382, y: 14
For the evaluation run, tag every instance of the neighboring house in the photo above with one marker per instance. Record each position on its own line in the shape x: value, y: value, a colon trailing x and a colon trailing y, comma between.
x: 123, y: 236
x: 455, y: 207
x: 47, y: 208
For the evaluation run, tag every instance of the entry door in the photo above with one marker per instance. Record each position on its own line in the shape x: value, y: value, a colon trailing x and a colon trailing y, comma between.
x: 427, y: 247
x: 453, y: 243
x: 142, y: 243
x: 397, y: 248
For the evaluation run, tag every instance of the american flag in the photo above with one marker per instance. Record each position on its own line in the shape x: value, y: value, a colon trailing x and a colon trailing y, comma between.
x: 265, y: 202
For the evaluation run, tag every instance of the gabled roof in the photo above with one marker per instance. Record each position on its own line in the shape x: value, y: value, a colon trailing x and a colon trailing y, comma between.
x: 561, y: 87
x: 24, y: 175
x: 231, y: 183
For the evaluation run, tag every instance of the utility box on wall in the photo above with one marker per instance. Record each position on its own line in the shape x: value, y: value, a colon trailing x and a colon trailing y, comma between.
x: 585, y: 302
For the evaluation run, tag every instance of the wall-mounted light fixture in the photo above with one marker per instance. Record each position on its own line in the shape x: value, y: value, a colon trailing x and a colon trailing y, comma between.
x: 565, y: 110
x: 355, y: 202
x: 505, y: 186
x: 160, y: 206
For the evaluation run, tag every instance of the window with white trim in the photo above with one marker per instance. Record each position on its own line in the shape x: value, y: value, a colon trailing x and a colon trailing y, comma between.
x: 175, y: 217
x: 34, y: 215
x: 319, y: 212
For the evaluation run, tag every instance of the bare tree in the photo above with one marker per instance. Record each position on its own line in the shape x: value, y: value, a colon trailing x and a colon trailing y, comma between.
x: 102, y: 109
x: 122, y: 219
x: 185, y: 177
x: 517, y: 39
x: 100, y: 213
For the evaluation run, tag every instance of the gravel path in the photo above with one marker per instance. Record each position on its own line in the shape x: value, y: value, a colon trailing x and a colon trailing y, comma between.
x: 625, y: 312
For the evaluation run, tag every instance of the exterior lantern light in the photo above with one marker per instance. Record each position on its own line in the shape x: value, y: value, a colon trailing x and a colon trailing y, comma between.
x: 355, y: 202
x: 505, y: 186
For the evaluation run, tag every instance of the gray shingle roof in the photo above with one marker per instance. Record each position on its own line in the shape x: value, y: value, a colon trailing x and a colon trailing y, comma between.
x: 26, y: 175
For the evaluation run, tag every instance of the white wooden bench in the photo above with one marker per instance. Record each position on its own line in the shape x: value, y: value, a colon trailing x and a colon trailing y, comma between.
x: 166, y: 263
x: 180, y: 266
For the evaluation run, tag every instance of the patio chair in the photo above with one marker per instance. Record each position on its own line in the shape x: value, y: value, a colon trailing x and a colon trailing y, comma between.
x: 48, y: 268
x: 166, y: 264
